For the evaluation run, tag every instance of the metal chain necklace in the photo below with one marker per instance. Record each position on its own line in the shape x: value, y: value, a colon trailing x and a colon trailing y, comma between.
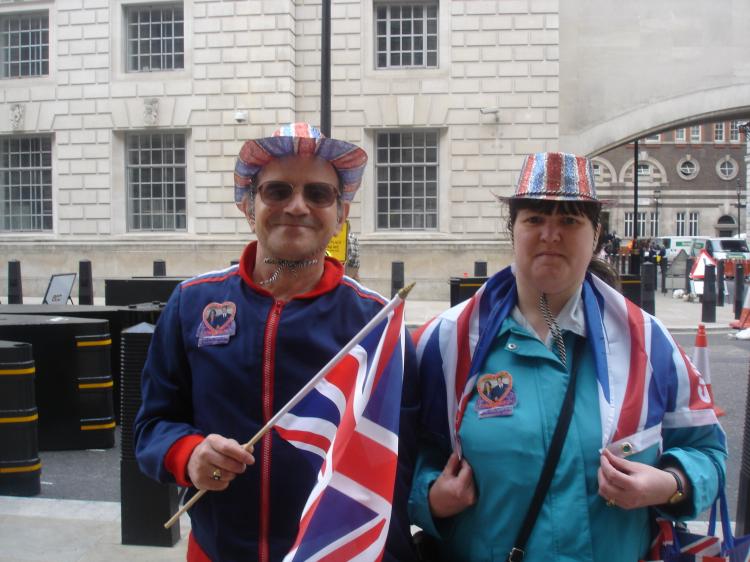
x: 290, y: 265
x: 553, y: 328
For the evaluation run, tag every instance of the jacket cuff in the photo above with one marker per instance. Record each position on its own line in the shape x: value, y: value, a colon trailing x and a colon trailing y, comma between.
x: 419, y: 505
x: 703, y: 488
x: 176, y: 459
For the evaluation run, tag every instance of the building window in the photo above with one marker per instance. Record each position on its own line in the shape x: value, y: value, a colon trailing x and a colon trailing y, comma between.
x: 407, y: 184
x: 695, y: 133
x: 156, y: 171
x: 687, y: 168
x: 406, y: 35
x: 693, y: 223
x: 644, y: 170
x: 155, y: 38
x: 629, y: 224
x: 734, y: 131
x: 653, y: 225
x: 679, y: 135
x: 726, y: 168
x: 680, y: 230
x: 653, y: 138
x: 24, y: 45
x: 26, y: 183
x: 718, y: 132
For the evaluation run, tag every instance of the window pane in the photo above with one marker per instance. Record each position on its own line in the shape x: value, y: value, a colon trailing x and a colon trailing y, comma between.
x: 156, y: 173
x: 406, y: 35
x: 26, y: 184
x: 155, y: 38
x: 403, y: 161
x: 24, y: 45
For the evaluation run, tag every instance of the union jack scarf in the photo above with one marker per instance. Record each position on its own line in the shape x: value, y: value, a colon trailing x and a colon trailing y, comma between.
x: 645, y: 380
x: 348, y: 428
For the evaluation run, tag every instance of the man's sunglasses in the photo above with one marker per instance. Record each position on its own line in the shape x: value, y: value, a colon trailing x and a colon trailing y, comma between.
x: 277, y: 193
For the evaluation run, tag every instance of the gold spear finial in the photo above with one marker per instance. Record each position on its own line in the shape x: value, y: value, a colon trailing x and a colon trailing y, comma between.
x: 404, y: 291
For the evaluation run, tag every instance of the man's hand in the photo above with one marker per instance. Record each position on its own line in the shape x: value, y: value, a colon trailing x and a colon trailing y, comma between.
x: 454, y: 489
x: 630, y: 485
x: 216, y: 461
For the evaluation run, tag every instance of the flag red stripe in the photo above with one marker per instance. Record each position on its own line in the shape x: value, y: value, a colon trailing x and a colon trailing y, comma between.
x: 633, y: 404
x: 314, y: 439
x: 390, y: 340
x: 369, y: 464
x: 554, y: 171
x: 357, y: 545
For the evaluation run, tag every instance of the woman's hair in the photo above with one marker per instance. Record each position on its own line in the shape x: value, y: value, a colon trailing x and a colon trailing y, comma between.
x: 589, y: 209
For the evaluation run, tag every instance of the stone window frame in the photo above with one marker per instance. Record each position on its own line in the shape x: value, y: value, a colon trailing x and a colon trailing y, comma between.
x: 719, y: 128
x: 171, y: 55
x: 725, y: 162
x: 383, y: 20
x: 680, y: 135
x: 693, y: 223
x: 40, y: 48
x: 688, y: 159
x: 680, y: 223
x: 696, y: 138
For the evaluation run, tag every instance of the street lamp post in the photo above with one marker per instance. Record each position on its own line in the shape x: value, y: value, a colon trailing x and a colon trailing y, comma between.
x: 739, y: 206
x: 657, y: 195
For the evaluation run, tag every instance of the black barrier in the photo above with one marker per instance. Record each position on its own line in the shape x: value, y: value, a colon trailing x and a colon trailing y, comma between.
x: 20, y: 467
x: 124, y: 292
x: 15, y: 289
x: 160, y: 268
x: 630, y: 287
x: 144, y: 503
x: 648, y: 287
x: 688, y: 269
x: 462, y: 288
x: 708, y: 300
x: 743, y: 496
x: 739, y: 290
x: 635, y: 262
x: 73, y: 382
x: 480, y: 269
x: 720, y: 283
x: 397, y: 277
x: 85, y: 283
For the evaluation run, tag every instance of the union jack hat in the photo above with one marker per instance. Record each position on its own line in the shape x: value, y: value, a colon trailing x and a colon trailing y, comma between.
x: 299, y: 138
x: 556, y: 176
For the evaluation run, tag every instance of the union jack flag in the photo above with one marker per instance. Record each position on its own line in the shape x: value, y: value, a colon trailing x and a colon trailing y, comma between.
x: 646, y: 382
x: 348, y: 427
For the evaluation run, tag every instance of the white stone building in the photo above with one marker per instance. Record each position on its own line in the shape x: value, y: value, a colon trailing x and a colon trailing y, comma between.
x: 120, y: 121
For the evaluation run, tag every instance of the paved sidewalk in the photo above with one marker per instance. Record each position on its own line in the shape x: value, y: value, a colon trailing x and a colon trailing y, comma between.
x: 55, y: 530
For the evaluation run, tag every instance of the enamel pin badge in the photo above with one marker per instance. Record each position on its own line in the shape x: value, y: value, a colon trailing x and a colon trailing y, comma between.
x: 496, y: 395
x: 217, y: 323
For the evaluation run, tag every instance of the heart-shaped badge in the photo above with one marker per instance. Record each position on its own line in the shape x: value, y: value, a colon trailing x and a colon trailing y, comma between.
x: 218, y: 316
x: 493, y: 388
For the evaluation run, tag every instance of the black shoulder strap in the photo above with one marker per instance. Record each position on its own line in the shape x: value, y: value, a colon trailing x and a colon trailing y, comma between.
x: 517, y: 553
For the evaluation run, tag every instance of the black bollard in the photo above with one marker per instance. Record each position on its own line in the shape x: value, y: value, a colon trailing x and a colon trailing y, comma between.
x: 664, y: 264
x: 688, y: 269
x: 743, y: 496
x: 635, y: 262
x: 739, y: 290
x: 720, y: 283
x: 480, y: 269
x: 708, y: 310
x: 648, y: 287
x: 160, y: 268
x: 15, y: 291
x: 85, y: 283
x: 397, y: 277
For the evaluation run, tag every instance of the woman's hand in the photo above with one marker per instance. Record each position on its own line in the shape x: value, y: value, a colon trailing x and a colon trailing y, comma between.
x: 630, y: 485
x: 454, y: 489
x: 216, y: 461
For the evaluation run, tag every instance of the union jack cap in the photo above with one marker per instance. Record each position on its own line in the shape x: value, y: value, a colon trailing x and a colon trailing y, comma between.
x: 348, y: 160
x: 556, y: 176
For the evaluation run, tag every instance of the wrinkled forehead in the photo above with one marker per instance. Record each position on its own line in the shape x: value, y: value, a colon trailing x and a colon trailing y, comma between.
x: 298, y: 168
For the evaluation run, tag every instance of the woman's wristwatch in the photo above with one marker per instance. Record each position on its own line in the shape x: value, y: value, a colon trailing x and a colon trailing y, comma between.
x: 679, y: 495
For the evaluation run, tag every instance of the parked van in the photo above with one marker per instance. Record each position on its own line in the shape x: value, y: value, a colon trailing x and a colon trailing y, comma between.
x: 722, y: 248
x: 675, y: 244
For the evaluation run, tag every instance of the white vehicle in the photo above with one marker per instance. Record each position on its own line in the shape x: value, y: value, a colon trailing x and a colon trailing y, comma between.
x: 675, y: 244
x: 722, y: 248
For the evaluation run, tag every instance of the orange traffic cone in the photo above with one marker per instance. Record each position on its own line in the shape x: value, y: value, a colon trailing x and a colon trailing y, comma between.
x: 700, y: 360
x: 744, y: 321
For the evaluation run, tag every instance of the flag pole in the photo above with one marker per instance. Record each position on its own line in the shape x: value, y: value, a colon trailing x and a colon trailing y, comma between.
x: 377, y: 319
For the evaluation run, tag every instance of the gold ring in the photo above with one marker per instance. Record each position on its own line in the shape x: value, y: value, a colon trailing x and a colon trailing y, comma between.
x: 611, y: 503
x: 216, y: 474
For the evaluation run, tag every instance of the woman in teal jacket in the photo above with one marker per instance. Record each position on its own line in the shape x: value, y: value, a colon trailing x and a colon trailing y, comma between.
x: 494, y: 370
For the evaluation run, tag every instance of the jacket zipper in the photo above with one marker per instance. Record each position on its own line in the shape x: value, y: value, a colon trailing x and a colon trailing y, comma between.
x: 272, y: 325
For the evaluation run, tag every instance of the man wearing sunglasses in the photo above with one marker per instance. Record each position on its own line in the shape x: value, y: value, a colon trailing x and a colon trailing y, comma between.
x: 208, y: 387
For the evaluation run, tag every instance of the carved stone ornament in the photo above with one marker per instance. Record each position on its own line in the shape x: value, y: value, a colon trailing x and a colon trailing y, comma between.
x: 17, y: 112
x: 151, y: 111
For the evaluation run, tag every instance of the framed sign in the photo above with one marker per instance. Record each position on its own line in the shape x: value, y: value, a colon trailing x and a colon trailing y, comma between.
x: 337, y: 246
x: 59, y: 288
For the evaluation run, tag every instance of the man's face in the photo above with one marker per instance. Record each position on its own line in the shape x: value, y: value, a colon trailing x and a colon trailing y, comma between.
x: 295, y: 229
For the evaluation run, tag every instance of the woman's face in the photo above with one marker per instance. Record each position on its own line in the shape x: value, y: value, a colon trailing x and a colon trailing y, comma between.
x: 552, y: 252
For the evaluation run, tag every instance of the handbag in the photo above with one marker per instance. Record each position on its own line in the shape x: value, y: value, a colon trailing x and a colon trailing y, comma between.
x: 675, y: 543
